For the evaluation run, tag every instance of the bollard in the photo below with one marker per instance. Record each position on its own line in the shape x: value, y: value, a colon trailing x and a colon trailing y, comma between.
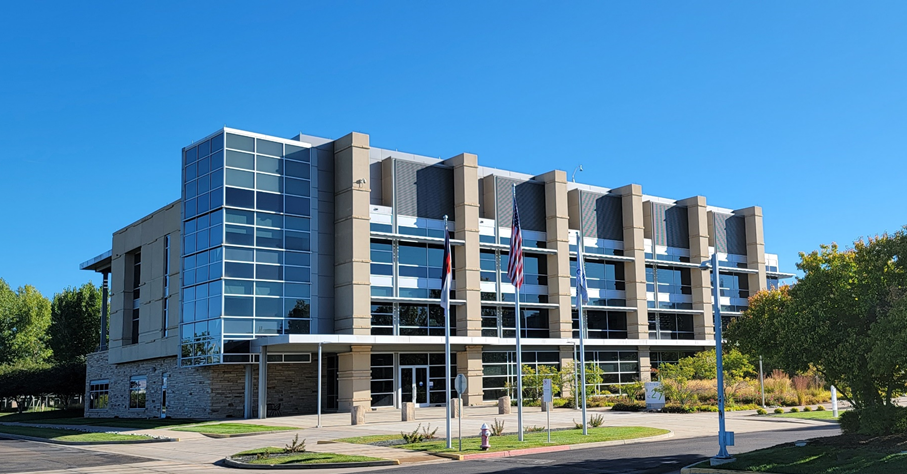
x: 504, y: 405
x: 454, y: 407
x: 357, y: 415
x: 547, y: 406
x: 408, y: 411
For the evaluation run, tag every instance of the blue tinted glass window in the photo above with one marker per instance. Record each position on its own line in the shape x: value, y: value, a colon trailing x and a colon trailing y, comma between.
x: 203, y: 204
x: 235, y: 216
x: 297, y: 240
x: 270, y: 148
x: 298, y: 170
x: 269, y: 256
x: 268, y: 288
x: 237, y: 326
x: 191, y: 189
x: 297, y: 274
x: 298, y: 206
x: 243, y: 179
x: 203, y: 184
x: 269, y: 202
x: 268, y: 182
x: 204, y: 149
x: 295, y: 258
x: 297, y: 153
x: 238, y: 270
x: 298, y: 289
x: 269, y: 272
x: 269, y: 307
x: 269, y: 238
x: 217, y: 160
x: 239, y: 254
x: 191, y: 172
x: 240, y: 198
x: 298, y: 223
x: 202, y: 166
x: 189, y: 208
x: 297, y: 187
x: 239, y: 142
x: 217, y: 198
x: 217, y: 143
x: 191, y: 155
x: 238, y: 306
x: 267, y: 164
x: 236, y: 159
x: 269, y: 220
x: 239, y: 235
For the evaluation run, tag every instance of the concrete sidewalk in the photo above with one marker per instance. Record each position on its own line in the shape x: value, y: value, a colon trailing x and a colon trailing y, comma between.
x: 202, y: 452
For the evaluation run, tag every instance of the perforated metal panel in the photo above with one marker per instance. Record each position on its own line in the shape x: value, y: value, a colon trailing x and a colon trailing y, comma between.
x: 530, y: 197
x: 602, y: 216
x: 671, y: 225
x: 730, y: 233
x: 424, y: 190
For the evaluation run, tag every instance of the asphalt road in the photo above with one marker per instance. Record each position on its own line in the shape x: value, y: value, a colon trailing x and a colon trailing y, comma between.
x: 30, y: 456
x: 662, y: 457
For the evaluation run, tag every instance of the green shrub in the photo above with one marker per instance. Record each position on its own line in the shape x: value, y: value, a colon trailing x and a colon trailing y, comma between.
x: 820, y: 408
x: 850, y: 422
x: 497, y: 429
x: 295, y: 446
x: 807, y: 409
x: 707, y: 408
x: 677, y: 408
x: 534, y: 429
x: 761, y: 411
x: 635, y: 406
x: 779, y: 410
x: 882, y: 420
x: 596, y: 420
x: 795, y: 410
x: 414, y: 437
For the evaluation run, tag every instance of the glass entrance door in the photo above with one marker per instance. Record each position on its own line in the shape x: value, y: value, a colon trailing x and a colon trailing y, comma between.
x: 414, y: 384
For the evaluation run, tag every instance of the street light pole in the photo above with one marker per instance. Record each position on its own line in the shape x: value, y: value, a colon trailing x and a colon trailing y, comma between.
x: 716, y: 302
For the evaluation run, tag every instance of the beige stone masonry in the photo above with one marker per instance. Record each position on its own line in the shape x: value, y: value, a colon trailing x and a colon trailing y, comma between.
x: 698, y: 218
x: 755, y: 247
x: 354, y: 376
x: 469, y: 363
x: 467, y: 272
x: 635, y: 271
x: 560, y: 320
x: 352, y: 258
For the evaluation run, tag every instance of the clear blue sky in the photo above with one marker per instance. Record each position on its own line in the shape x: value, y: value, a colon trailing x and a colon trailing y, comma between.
x: 798, y: 107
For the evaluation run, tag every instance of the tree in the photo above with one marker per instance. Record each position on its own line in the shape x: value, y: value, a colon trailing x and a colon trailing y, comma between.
x: 75, y: 316
x: 847, y: 317
x: 24, y: 319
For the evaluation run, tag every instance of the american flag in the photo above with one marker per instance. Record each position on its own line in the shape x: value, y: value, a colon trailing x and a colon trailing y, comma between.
x: 445, y: 275
x: 515, y: 266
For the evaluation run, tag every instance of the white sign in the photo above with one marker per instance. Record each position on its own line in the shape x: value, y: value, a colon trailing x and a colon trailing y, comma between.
x: 655, y: 400
x: 460, y: 384
x: 546, y: 390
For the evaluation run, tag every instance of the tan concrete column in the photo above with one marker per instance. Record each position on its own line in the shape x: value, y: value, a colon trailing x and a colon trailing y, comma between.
x: 560, y: 320
x: 755, y: 247
x: 467, y: 272
x: 352, y: 297
x: 469, y: 363
x: 635, y: 271
x: 354, y: 376
x: 645, y: 364
x: 698, y: 216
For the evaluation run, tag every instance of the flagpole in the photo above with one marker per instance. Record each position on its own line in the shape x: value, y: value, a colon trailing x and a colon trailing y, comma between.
x: 519, y: 353
x: 446, y: 298
x: 582, y: 327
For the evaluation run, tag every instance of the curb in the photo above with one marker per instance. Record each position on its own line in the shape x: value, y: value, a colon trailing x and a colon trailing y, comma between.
x: 230, y: 462
x: 85, y: 443
x: 706, y: 470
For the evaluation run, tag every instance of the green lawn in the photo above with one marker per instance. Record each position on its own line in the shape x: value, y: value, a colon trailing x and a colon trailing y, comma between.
x: 819, y: 459
x: 74, y: 417
x: 68, y: 435
x: 531, y: 440
x: 300, y: 458
x: 232, y: 428
x: 809, y: 415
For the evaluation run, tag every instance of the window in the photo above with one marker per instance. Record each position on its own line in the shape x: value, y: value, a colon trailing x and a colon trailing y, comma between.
x: 98, y: 394
x: 382, y: 383
x: 138, y: 386
x: 670, y: 326
x: 165, y: 316
x: 136, y: 296
x: 602, y: 324
x: 499, y: 370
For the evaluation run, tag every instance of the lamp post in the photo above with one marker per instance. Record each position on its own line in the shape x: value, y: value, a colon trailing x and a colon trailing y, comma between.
x: 723, y: 435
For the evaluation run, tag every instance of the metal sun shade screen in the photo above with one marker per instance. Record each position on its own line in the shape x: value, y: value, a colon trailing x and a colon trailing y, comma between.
x: 730, y: 233
x: 602, y: 216
x: 530, y: 198
x: 424, y: 190
x: 670, y: 225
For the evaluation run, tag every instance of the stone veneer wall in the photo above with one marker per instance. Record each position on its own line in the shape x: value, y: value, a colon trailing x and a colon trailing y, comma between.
x: 202, y: 392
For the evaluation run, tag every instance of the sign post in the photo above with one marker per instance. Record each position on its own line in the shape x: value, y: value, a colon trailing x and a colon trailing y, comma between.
x: 460, y: 385
x: 547, y: 398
